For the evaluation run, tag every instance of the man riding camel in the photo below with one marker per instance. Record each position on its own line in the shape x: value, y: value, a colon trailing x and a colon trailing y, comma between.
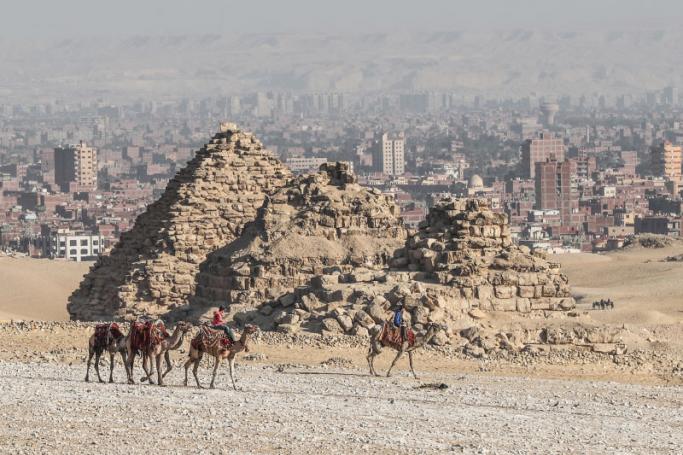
x: 398, y: 321
x: 219, y: 324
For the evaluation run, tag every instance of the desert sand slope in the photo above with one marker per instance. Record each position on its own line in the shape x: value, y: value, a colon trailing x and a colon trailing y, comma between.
x: 37, y: 288
x: 645, y: 289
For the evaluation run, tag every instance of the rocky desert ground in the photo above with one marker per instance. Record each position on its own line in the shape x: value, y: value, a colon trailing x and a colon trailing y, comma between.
x: 307, y: 393
x: 291, y: 409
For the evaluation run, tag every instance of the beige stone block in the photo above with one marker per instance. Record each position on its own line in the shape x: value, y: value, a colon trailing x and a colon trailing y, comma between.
x: 484, y: 292
x: 507, y: 304
x: 523, y: 305
x: 505, y: 292
x: 526, y: 292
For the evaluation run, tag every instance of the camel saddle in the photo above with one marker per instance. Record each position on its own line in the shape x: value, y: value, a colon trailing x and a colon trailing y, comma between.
x: 145, y: 335
x: 105, y: 333
x: 391, y: 336
x: 208, y: 338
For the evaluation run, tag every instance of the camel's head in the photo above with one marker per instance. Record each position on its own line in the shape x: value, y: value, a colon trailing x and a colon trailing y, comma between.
x: 184, y: 326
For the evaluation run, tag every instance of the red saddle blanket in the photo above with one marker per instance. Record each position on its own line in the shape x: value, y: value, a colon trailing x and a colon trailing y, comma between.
x: 208, y: 338
x: 147, y: 334
x: 391, y: 336
x: 106, y: 333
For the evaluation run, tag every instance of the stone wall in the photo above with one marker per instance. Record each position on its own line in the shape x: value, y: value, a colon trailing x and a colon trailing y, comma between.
x: 151, y: 270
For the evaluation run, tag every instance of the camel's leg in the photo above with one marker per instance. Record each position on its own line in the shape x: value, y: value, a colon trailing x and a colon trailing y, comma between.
x: 196, y: 366
x: 410, y: 360
x: 372, y: 353
x: 215, y: 369
x: 231, y: 364
x: 91, y: 352
x: 195, y: 357
x: 398, y: 356
x: 129, y: 367
x: 111, y: 366
x: 188, y: 362
x: 169, y: 365
x: 123, y: 359
x: 186, y: 365
x: 97, y: 365
x: 160, y: 377
x: 194, y: 371
x: 148, y: 372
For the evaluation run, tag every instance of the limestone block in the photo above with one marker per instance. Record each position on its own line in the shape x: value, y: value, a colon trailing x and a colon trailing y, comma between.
x: 331, y: 325
x: 505, y: 292
x: 523, y: 305
x: 324, y: 281
x: 548, y: 291
x: 345, y: 322
x: 420, y: 315
x: 377, y: 312
x: 364, y: 319
x: 504, y: 304
x: 287, y: 300
x: 484, y: 292
x: 526, y: 292
x: 288, y: 328
x: 436, y: 315
x: 541, y: 304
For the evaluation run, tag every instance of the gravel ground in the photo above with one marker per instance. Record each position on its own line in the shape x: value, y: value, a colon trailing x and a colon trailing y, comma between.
x: 47, y: 408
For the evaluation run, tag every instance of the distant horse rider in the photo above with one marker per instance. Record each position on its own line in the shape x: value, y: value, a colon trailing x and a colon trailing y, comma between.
x: 398, y: 321
x: 219, y: 324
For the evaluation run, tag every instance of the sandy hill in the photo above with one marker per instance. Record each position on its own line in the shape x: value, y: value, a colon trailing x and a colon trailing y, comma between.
x: 646, y: 289
x: 37, y: 288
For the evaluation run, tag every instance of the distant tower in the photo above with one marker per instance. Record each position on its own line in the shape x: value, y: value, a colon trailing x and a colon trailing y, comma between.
x: 549, y: 109
x: 76, y: 164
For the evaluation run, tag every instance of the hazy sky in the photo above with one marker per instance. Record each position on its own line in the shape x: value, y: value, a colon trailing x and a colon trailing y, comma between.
x: 22, y: 18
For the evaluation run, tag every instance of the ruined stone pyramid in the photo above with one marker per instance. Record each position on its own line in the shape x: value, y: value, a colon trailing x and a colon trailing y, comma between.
x: 318, y: 224
x: 464, y: 244
x: 152, y: 269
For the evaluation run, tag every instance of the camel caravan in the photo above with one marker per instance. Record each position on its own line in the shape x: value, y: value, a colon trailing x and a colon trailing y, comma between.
x: 152, y: 342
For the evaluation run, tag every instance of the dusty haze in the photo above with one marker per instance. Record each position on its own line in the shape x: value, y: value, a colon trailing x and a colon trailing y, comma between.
x: 126, y: 49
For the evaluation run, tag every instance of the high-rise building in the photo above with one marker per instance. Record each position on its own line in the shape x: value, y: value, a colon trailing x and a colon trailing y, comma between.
x: 670, y: 95
x: 540, y: 149
x: 556, y: 190
x: 629, y: 159
x: 666, y: 161
x: 389, y: 155
x: 76, y: 164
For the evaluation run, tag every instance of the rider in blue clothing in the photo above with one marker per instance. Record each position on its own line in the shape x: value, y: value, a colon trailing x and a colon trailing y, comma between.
x: 398, y: 320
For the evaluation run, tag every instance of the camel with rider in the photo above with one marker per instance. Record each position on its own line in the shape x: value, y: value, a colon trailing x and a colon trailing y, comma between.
x: 220, y: 347
x: 390, y: 337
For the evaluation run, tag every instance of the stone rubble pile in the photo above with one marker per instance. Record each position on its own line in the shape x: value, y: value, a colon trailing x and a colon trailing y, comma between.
x: 320, y: 227
x: 465, y: 245
x: 151, y: 271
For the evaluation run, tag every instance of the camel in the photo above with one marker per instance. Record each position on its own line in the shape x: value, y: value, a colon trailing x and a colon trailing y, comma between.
x: 209, y: 341
x: 145, y: 340
x: 155, y: 352
x: 377, y: 342
x: 107, y: 337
